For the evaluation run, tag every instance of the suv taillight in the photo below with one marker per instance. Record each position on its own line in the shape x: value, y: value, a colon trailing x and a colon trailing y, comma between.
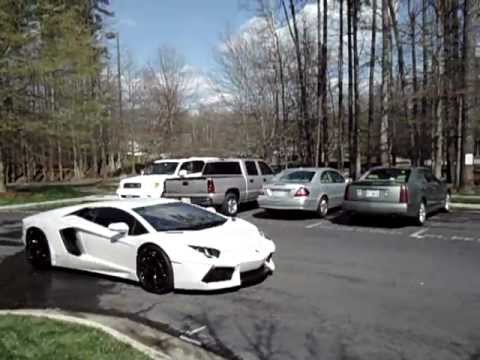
x: 348, y: 193
x: 210, y: 186
x: 404, y: 194
x: 302, y: 192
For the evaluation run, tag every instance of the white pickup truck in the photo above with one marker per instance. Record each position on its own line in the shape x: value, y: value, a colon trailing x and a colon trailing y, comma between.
x: 151, y: 185
x: 223, y: 183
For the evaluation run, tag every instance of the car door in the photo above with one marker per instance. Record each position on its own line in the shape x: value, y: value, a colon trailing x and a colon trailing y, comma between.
x: 430, y: 188
x: 266, y: 172
x: 254, y: 180
x: 110, y: 254
x: 339, y: 187
x: 327, y: 187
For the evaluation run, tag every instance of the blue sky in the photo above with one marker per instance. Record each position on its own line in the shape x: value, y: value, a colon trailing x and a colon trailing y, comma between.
x: 191, y: 26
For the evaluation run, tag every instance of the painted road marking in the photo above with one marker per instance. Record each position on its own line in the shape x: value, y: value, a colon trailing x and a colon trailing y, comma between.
x: 328, y: 226
x: 423, y: 234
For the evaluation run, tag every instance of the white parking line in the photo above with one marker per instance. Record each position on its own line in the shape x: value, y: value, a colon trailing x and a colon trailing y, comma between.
x: 311, y: 226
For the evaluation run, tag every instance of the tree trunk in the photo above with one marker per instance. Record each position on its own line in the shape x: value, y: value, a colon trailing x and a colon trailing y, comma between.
x: 351, y: 151
x: 356, y: 135
x: 470, y: 11
x: 319, y: 85
x: 385, y: 88
x: 425, y: 112
x: 3, y: 180
x: 417, y: 122
x: 341, y: 122
x: 325, y: 151
x: 371, y: 85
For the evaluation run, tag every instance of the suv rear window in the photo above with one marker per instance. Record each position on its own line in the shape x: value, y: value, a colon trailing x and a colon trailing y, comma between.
x: 397, y: 175
x: 222, y: 168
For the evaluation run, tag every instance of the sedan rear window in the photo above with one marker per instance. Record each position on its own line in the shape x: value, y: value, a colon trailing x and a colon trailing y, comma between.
x: 397, y: 175
x: 297, y: 176
x: 179, y: 216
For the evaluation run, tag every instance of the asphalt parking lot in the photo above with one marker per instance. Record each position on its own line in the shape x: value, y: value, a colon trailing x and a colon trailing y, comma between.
x: 377, y: 289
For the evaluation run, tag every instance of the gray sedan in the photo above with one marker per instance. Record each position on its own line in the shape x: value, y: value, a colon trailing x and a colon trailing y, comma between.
x: 309, y: 189
x: 411, y: 192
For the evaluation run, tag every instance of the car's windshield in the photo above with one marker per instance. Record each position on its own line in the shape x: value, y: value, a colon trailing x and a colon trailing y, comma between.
x: 397, y: 175
x: 164, y: 168
x: 179, y: 216
x: 299, y: 176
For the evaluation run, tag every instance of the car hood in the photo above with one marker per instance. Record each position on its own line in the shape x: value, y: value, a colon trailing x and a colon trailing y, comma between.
x: 234, y: 236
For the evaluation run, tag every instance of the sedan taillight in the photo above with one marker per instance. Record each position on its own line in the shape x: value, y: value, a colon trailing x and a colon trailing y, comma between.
x: 404, y: 194
x: 302, y: 192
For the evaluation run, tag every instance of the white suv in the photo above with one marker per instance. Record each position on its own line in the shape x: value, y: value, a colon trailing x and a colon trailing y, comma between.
x: 151, y: 185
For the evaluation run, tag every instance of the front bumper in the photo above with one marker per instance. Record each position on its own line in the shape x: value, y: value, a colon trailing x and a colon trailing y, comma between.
x: 199, y: 276
x: 286, y: 203
x: 376, y: 208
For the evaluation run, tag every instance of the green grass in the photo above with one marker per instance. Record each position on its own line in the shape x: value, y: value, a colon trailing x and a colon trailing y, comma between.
x: 40, y: 194
x: 466, y: 199
x: 25, y: 338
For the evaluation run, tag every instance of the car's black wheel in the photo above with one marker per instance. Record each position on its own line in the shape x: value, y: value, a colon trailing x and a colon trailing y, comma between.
x: 36, y: 249
x: 421, y: 217
x: 154, y: 270
x: 230, y: 204
x: 322, y: 209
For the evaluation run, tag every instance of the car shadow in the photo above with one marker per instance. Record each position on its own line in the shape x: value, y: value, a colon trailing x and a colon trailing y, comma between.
x: 290, y: 214
x: 375, y: 221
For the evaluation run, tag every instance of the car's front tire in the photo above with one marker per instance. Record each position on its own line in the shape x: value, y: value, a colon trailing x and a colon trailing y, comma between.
x: 37, y: 250
x: 447, y: 202
x: 154, y: 270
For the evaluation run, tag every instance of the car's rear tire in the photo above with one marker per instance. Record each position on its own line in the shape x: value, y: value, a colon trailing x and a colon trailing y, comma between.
x: 230, y: 204
x: 154, y: 270
x: 447, y: 202
x: 421, y: 217
x: 37, y: 250
x: 322, y: 209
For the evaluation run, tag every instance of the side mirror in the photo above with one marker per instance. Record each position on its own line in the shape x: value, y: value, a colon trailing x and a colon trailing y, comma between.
x: 348, y: 181
x: 121, y: 228
x: 182, y: 173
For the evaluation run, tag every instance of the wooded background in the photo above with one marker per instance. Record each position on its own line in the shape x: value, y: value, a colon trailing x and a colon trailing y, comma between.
x: 345, y: 83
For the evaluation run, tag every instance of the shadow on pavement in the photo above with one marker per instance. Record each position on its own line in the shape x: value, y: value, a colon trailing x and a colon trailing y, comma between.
x: 377, y: 221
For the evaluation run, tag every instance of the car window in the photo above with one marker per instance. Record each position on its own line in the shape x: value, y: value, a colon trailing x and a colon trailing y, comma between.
x: 326, y: 178
x: 336, y: 177
x: 193, y: 166
x: 179, y: 216
x: 265, y: 169
x: 164, y: 168
x: 222, y: 168
x: 392, y: 174
x: 251, y: 168
x: 105, y: 216
x: 299, y: 176
x: 429, y: 176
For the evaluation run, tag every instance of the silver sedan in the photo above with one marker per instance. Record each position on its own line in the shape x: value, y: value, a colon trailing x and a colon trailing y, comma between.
x: 412, y: 192
x: 309, y: 189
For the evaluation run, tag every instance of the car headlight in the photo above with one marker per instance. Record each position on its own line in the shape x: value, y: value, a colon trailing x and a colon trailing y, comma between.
x: 208, y: 252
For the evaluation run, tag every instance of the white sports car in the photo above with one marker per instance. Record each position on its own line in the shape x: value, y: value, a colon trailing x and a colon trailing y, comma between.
x: 163, y: 244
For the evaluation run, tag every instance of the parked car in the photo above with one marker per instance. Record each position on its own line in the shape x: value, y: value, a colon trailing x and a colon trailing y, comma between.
x: 224, y: 184
x: 151, y: 185
x: 309, y: 189
x: 163, y: 244
x: 412, y: 192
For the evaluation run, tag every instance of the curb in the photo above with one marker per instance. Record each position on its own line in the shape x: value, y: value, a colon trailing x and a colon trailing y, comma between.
x: 53, y: 315
x: 58, y: 202
x: 455, y: 205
